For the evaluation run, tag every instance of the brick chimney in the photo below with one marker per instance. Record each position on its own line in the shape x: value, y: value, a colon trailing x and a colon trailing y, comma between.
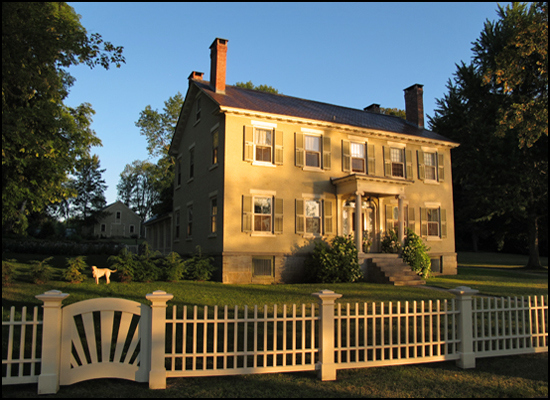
x: 373, y: 108
x: 196, y: 75
x: 218, y: 58
x: 414, y: 105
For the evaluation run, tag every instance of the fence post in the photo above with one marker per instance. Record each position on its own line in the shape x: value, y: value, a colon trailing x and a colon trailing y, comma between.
x: 465, y: 326
x: 157, y: 375
x: 327, y: 371
x: 48, y: 381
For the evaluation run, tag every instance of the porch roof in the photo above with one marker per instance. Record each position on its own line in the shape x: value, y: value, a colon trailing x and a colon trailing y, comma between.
x: 371, y: 185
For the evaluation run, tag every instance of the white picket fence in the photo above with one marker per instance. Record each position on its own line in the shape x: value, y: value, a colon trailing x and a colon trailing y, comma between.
x: 119, y: 338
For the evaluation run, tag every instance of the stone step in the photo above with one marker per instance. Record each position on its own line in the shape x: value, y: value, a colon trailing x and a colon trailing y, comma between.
x: 389, y: 269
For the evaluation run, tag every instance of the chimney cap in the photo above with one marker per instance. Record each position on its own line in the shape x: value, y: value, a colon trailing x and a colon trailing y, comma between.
x: 416, y: 85
x: 373, y: 108
x: 220, y: 41
x: 196, y: 75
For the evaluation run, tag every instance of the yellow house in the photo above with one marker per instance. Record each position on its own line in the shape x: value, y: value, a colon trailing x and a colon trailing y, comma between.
x: 261, y: 176
x: 120, y: 222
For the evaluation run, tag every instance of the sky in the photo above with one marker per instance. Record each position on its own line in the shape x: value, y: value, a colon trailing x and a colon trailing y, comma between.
x: 347, y: 54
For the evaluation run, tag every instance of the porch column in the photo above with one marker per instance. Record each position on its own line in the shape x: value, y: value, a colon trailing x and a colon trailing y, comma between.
x: 358, y: 222
x: 401, y: 222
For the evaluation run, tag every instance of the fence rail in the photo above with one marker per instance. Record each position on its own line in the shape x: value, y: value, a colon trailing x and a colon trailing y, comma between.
x: 210, y: 341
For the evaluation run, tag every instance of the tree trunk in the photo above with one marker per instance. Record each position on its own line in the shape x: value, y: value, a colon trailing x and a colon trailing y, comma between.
x: 533, y: 227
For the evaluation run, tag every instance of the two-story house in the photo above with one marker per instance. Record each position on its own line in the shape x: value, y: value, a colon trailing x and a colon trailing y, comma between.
x: 261, y: 176
x: 120, y: 222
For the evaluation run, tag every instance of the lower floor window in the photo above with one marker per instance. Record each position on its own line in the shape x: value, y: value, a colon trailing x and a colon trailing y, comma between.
x: 313, y: 216
x: 433, y: 222
x: 262, y: 214
x: 262, y: 266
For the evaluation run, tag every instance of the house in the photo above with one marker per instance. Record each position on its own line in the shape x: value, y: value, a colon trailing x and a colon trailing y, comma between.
x: 261, y: 176
x: 121, y: 222
x: 158, y: 233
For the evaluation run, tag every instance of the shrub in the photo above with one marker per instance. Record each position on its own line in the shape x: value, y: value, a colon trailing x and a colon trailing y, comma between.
x: 73, y: 273
x: 391, y: 243
x: 335, y: 262
x: 146, y: 269
x: 125, y: 263
x: 174, y: 267
x: 198, y: 267
x: 8, y: 270
x: 41, y: 272
x: 415, y: 253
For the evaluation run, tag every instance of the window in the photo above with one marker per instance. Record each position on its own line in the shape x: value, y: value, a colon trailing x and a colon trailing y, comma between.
x: 189, y: 221
x: 215, y: 146
x: 313, y: 151
x: 430, y: 166
x: 263, y: 144
x: 179, y: 172
x: 358, y: 157
x: 313, y: 216
x: 433, y: 221
x: 177, y: 225
x: 262, y: 266
x: 103, y: 227
x: 213, y: 215
x: 191, y: 162
x: 262, y: 214
x: 397, y: 157
x: 132, y: 229
x: 198, y: 110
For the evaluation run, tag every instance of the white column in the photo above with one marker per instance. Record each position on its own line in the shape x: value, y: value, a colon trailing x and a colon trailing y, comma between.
x: 327, y: 370
x: 465, y: 335
x: 358, y: 222
x: 48, y: 381
x: 401, y: 222
x: 157, y: 375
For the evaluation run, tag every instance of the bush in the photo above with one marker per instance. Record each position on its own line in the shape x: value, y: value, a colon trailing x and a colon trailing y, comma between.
x: 41, y: 272
x: 174, y: 267
x: 125, y: 263
x: 391, y: 243
x: 8, y: 270
x: 415, y: 253
x: 198, y: 267
x: 335, y: 262
x: 73, y: 273
x: 146, y: 269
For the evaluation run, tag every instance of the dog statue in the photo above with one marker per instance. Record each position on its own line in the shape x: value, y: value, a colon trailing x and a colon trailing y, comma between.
x: 99, y: 272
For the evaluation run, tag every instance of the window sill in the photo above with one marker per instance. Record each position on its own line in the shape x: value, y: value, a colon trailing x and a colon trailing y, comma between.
x: 263, y: 164
x: 261, y: 234
x: 313, y: 169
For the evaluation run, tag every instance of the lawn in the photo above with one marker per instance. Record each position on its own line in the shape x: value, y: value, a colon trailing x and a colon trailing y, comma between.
x: 515, y: 377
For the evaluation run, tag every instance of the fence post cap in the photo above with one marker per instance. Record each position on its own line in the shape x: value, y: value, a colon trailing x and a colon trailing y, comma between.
x: 52, y: 295
x: 159, y: 295
x: 327, y: 294
x: 464, y: 291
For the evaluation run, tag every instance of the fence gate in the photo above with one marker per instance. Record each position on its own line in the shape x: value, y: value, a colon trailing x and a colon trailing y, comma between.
x: 105, y: 338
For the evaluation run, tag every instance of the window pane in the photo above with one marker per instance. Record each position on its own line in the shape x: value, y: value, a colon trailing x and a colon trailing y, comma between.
x: 313, y: 143
x: 397, y: 155
x: 313, y: 225
x: 262, y: 137
x: 358, y: 165
x: 358, y: 150
x: 397, y: 170
x: 262, y: 205
x: 312, y: 208
x: 313, y: 159
x: 262, y: 223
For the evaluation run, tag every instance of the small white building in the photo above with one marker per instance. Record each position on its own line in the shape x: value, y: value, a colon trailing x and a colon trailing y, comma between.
x: 121, y: 222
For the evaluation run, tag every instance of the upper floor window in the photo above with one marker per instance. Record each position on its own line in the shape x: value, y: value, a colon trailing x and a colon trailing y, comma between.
x: 358, y: 157
x: 263, y: 145
x: 397, y: 162
x: 215, y: 147
x: 430, y: 166
x: 313, y: 151
x: 198, y: 110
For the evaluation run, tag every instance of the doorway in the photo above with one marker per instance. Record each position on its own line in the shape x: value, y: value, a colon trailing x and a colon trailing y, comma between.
x: 368, y: 222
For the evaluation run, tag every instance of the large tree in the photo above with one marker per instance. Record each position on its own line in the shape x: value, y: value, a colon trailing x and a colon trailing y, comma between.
x: 500, y: 171
x: 42, y: 138
x: 138, y: 187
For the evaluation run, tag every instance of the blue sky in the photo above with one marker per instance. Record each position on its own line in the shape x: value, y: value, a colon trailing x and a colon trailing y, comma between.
x: 348, y: 54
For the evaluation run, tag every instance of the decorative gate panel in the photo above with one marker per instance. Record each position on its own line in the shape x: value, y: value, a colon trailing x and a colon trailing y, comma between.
x: 105, y: 338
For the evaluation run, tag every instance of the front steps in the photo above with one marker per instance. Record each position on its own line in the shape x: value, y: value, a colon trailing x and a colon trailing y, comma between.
x: 390, y: 269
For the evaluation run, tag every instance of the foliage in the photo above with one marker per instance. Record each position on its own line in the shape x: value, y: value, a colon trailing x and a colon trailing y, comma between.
x: 198, y: 267
x: 8, y: 270
x: 335, y: 262
x: 174, y: 267
x: 260, y: 88
x: 496, y: 108
x: 73, y: 272
x: 125, y: 263
x: 390, y: 242
x: 138, y: 187
x: 146, y: 269
x: 41, y: 271
x: 415, y: 253
x: 42, y: 138
x: 396, y: 112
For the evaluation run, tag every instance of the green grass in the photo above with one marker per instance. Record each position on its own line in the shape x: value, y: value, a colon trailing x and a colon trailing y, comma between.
x: 514, y: 377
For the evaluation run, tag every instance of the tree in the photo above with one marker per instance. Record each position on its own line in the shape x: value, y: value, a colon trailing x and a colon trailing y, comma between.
x: 138, y: 187
x: 500, y: 171
x: 261, y: 88
x: 43, y: 139
x: 90, y: 191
